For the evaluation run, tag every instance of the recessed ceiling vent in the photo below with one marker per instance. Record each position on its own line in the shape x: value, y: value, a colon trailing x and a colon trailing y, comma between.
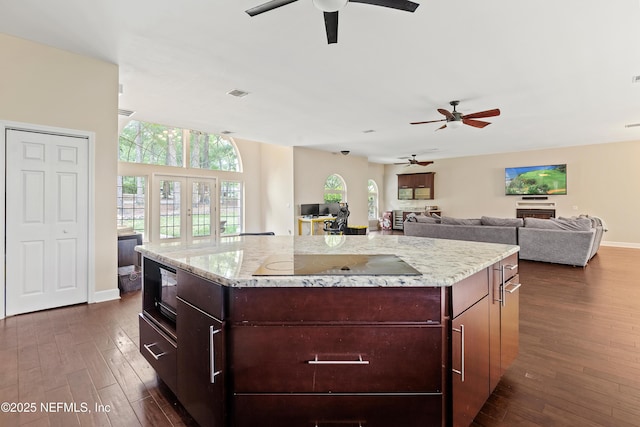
x: 635, y: 79
x: 226, y: 132
x: 632, y: 125
x: 238, y: 93
x: 125, y: 113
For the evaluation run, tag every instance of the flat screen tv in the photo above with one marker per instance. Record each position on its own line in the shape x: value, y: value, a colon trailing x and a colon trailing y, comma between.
x: 536, y: 180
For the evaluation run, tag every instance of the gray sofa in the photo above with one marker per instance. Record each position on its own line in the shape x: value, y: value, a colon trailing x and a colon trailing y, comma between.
x: 572, y: 241
x: 485, y: 229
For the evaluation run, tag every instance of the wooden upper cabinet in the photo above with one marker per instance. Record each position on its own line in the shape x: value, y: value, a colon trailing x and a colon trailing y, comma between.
x: 416, y: 186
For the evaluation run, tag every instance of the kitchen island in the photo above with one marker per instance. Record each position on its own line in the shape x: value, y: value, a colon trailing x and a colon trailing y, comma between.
x: 350, y: 345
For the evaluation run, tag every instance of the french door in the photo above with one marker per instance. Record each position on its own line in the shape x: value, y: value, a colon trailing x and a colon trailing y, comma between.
x: 46, y: 220
x: 185, y: 208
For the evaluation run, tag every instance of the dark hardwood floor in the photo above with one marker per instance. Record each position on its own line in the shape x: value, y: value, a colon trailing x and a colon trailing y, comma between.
x: 579, y: 361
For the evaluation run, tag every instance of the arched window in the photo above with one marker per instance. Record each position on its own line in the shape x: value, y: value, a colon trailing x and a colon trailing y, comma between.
x: 335, y: 189
x: 373, y: 199
x: 211, y: 151
x: 154, y: 144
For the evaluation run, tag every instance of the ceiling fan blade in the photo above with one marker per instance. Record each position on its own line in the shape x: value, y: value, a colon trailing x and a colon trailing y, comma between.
x: 266, y: 7
x: 446, y: 113
x: 331, y: 25
x: 405, y: 5
x: 423, y: 163
x: 442, y: 127
x: 475, y: 123
x: 430, y: 121
x: 482, y: 114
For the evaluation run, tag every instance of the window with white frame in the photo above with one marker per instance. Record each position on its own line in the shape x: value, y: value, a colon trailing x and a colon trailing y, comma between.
x: 335, y: 189
x: 230, y: 207
x: 132, y: 203
x: 373, y: 199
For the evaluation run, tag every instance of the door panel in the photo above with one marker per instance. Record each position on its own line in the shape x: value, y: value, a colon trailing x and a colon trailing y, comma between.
x: 184, y: 210
x: 46, y: 221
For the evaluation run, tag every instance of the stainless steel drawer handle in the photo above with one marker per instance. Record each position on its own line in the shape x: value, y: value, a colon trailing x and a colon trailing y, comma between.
x: 515, y: 287
x: 156, y: 356
x: 461, y: 371
x: 212, y: 354
x: 316, y: 361
x: 511, y: 266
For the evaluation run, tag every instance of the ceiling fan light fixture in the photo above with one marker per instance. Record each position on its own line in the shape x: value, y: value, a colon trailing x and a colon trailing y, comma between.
x: 454, y: 124
x: 330, y: 5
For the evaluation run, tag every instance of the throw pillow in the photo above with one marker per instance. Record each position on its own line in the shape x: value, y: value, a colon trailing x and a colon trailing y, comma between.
x: 502, y: 222
x: 459, y: 221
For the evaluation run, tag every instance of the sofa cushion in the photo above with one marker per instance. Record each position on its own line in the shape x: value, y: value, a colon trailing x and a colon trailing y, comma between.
x: 425, y: 219
x: 502, y: 222
x: 459, y: 221
x: 572, y: 224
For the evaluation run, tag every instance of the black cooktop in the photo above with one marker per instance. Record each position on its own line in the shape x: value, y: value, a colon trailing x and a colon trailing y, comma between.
x: 334, y: 264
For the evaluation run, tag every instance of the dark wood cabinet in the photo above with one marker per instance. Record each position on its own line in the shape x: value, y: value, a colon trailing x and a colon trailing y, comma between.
x: 326, y: 410
x: 416, y: 186
x: 470, y: 347
x: 160, y: 350
x: 503, y: 317
x: 375, y: 356
x: 470, y: 362
x: 201, y: 364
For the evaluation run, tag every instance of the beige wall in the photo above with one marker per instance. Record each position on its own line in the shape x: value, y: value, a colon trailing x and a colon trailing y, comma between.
x: 50, y: 87
x: 603, y: 180
x: 311, y: 169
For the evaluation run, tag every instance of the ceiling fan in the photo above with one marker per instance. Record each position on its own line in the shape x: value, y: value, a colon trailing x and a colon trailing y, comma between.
x: 412, y: 161
x: 331, y: 8
x: 456, y: 119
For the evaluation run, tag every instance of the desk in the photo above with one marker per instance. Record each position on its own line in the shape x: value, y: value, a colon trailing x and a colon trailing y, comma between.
x: 311, y: 221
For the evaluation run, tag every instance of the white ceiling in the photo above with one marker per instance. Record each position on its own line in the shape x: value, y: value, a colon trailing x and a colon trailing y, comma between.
x: 560, y: 71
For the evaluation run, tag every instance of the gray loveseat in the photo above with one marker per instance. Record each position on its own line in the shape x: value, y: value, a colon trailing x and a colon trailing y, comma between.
x: 572, y: 241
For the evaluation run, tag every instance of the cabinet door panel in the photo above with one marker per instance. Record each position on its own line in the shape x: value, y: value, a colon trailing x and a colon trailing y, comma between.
x: 510, y: 318
x: 337, y: 411
x: 159, y: 350
x: 470, y: 357
x: 201, y: 360
x: 323, y: 359
x: 335, y: 304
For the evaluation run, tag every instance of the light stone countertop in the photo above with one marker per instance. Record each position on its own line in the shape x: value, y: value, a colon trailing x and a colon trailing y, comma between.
x: 232, y: 261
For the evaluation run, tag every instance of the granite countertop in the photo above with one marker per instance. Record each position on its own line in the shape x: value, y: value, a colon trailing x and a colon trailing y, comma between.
x: 232, y: 261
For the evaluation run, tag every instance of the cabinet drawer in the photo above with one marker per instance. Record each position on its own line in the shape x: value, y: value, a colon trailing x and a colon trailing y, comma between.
x: 469, y: 291
x: 348, y: 359
x: 206, y: 295
x: 337, y: 411
x: 160, y: 351
x: 335, y: 304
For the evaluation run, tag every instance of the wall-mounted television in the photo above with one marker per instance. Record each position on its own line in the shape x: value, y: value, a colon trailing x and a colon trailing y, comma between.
x: 536, y: 180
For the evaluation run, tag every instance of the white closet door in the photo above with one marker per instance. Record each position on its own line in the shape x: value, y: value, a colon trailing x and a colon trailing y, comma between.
x: 46, y: 221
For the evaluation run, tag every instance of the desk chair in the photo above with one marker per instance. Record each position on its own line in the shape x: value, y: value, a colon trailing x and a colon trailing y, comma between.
x: 337, y: 225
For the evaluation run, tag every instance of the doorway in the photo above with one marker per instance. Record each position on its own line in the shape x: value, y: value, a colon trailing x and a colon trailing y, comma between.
x: 46, y: 220
x: 185, y: 209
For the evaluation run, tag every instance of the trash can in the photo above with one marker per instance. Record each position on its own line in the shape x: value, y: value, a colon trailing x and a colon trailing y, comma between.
x: 356, y: 229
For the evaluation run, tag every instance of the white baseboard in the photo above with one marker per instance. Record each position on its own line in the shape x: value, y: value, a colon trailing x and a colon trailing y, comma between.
x: 621, y: 244
x: 108, y: 295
